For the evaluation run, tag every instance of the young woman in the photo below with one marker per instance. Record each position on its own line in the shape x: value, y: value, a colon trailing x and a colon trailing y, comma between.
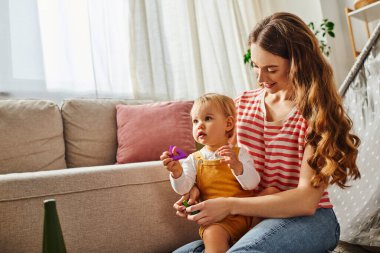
x: 295, y: 128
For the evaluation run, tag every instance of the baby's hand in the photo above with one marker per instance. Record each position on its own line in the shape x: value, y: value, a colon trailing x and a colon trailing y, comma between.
x: 231, y: 159
x: 174, y: 167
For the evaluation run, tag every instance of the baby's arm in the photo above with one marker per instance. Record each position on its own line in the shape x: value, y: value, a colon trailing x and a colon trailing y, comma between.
x: 242, y: 167
x: 229, y: 157
x: 250, y: 178
x: 183, y: 182
x: 174, y: 167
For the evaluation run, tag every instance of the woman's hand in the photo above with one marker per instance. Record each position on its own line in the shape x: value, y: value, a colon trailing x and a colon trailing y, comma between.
x: 192, y: 198
x: 211, y: 211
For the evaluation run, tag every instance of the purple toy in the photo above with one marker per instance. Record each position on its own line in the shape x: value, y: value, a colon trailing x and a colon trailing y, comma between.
x: 180, y: 155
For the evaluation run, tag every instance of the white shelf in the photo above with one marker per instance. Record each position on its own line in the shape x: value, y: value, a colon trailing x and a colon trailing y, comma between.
x: 367, y: 13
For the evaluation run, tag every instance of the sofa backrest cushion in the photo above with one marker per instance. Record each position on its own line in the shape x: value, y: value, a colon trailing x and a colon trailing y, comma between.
x: 90, y: 130
x: 31, y: 135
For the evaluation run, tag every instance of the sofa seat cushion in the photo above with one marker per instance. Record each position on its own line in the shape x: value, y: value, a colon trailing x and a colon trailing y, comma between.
x: 90, y: 130
x: 31, y: 135
x: 107, y: 209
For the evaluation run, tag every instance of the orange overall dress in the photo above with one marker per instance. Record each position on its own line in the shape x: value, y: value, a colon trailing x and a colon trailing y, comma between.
x: 214, y: 180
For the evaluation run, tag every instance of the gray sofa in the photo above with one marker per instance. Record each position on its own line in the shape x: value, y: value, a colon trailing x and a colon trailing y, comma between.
x: 68, y: 153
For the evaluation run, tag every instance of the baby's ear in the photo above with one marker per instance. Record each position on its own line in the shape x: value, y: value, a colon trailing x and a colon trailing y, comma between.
x: 230, y: 123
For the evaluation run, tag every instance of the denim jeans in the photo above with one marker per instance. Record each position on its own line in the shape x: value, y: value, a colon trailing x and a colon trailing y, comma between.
x: 307, y: 234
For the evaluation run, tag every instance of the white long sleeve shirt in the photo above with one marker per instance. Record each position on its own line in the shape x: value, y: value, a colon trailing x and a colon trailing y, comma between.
x: 249, y: 179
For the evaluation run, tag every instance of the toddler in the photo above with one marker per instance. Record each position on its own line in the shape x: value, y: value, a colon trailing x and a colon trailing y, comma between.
x: 218, y: 169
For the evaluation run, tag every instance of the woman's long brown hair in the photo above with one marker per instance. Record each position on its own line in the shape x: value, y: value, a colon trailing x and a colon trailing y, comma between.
x: 316, y: 96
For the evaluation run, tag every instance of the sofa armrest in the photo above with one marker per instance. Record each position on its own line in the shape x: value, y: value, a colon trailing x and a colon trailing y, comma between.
x: 116, y: 208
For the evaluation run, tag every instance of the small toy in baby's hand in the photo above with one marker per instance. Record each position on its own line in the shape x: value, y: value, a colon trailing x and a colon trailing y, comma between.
x: 180, y: 153
x: 187, y: 205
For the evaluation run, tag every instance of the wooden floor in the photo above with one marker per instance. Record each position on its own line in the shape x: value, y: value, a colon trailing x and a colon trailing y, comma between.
x: 344, y: 247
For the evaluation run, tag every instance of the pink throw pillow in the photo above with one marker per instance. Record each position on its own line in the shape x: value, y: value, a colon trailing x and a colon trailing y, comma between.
x: 145, y: 131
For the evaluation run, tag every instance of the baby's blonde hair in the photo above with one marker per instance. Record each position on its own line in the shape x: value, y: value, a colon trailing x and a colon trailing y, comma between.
x: 224, y: 103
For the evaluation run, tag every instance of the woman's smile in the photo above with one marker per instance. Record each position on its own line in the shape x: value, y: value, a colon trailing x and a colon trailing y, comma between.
x: 269, y: 85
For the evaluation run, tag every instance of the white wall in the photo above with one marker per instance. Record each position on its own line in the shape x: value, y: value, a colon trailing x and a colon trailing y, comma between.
x: 341, y: 57
x: 308, y: 10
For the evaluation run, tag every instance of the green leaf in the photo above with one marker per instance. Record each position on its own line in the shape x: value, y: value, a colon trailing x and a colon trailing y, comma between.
x: 332, y: 34
x: 247, y: 56
x: 330, y: 25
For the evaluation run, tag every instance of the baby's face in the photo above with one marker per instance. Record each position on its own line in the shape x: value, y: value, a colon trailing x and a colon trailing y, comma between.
x: 210, y: 126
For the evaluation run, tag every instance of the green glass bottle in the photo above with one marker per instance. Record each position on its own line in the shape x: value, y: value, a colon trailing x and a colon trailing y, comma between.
x: 52, y: 238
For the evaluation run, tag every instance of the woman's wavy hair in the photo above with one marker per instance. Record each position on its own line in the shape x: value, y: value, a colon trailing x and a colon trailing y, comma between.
x: 316, y: 96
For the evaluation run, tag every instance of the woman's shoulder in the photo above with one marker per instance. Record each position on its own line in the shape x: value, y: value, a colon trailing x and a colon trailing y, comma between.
x: 250, y: 95
x: 297, y: 116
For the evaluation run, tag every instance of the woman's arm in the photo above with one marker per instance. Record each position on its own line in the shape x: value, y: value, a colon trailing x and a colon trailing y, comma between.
x: 300, y: 201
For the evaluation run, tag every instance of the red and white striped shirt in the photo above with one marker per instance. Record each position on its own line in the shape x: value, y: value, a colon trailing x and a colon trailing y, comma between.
x: 276, y: 147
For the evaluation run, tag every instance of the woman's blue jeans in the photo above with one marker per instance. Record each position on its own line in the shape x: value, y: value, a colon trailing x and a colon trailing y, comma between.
x: 317, y: 233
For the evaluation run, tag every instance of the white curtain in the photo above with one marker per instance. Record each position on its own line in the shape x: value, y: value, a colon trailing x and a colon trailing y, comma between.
x: 147, y: 49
